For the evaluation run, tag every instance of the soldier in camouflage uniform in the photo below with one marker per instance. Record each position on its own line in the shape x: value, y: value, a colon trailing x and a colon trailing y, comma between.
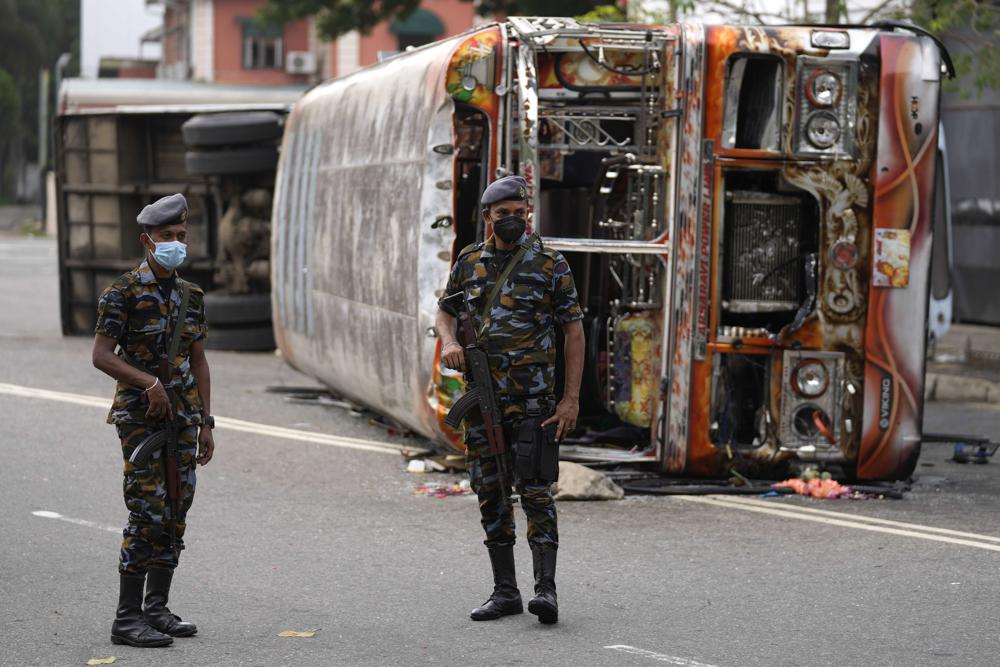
x: 519, y: 337
x: 138, y: 314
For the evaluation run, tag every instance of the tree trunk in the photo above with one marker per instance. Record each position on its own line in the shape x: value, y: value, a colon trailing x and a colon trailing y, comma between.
x: 832, y: 14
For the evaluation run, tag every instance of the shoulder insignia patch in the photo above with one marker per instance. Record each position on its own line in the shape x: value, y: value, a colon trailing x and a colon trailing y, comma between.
x: 472, y: 247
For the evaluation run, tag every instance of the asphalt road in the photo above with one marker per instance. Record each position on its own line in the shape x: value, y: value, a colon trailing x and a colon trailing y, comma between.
x: 287, y: 534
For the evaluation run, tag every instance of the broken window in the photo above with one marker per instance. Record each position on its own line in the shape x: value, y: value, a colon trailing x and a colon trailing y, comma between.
x: 753, y: 103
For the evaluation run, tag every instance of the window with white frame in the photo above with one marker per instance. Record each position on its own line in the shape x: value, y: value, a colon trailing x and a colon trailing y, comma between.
x: 263, y: 47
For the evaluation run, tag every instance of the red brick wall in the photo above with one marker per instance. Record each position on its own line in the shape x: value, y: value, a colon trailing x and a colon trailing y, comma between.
x: 137, y: 73
x: 228, y: 45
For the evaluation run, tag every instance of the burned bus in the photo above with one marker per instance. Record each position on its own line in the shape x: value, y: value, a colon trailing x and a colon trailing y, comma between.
x: 746, y: 210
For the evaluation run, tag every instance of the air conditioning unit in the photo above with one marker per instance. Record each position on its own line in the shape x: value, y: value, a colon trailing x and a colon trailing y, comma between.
x: 300, y: 62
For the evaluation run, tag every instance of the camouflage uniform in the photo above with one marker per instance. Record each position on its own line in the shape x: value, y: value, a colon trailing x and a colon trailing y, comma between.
x: 134, y: 312
x: 520, y: 338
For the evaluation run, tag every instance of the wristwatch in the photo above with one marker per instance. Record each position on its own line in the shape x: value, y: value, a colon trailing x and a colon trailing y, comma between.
x: 208, y: 421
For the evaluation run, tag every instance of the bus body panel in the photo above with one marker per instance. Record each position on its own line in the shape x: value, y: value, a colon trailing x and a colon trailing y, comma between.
x: 356, y: 262
x: 896, y: 335
x: 682, y: 306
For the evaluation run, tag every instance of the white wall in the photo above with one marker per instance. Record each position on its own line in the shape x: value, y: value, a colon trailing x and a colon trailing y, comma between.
x: 202, y: 40
x: 112, y: 28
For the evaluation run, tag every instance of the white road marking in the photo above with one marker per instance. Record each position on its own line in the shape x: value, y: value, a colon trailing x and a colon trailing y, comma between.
x: 63, y: 397
x: 659, y: 657
x: 309, y: 436
x: 223, y: 422
x: 869, y: 519
x: 45, y: 514
x: 729, y: 504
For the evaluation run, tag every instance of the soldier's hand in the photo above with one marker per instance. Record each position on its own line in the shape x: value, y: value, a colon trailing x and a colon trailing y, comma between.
x: 566, y: 414
x: 206, y: 446
x: 159, y: 403
x: 453, y: 356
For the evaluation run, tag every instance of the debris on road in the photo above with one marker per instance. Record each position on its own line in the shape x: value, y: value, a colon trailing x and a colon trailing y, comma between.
x: 102, y: 661
x: 976, y: 453
x: 816, y: 487
x: 324, y: 397
x: 816, y: 484
x: 444, y: 489
x: 423, y: 465
x: 298, y: 633
x: 674, y: 487
x: 578, y: 482
x: 442, y: 463
x: 967, y: 448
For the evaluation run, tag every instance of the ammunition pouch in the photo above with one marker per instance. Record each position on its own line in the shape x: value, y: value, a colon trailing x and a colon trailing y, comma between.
x: 536, y: 452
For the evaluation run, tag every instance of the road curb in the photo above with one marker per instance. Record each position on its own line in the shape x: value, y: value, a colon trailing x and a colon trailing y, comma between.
x: 945, y: 387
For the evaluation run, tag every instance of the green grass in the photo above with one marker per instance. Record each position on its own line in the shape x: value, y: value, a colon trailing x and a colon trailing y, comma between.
x: 33, y: 228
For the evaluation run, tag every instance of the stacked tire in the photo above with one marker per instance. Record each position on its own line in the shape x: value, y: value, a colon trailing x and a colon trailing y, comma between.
x: 235, y: 144
x: 221, y: 144
x: 240, y: 322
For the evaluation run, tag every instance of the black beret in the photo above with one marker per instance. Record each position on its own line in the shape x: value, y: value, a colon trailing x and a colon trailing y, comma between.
x: 169, y: 210
x: 506, y: 188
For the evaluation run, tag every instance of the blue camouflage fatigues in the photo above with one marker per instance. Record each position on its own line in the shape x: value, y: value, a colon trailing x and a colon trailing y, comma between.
x: 134, y: 312
x: 521, y: 344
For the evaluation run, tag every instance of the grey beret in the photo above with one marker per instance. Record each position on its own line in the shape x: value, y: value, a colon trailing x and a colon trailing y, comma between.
x: 169, y: 210
x: 506, y: 188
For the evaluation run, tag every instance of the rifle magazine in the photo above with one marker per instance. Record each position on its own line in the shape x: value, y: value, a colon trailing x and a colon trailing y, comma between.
x: 461, y: 407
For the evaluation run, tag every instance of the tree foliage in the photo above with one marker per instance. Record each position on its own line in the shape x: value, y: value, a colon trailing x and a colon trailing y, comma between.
x: 604, y: 14
x: 334, y: 18
x: 33, y: 34
x: 971, y: 27
x: 539, y: 7
x: 10, y: 104
x: 972, y: 31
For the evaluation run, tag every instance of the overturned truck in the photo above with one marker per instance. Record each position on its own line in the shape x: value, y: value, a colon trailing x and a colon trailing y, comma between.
x: 113, y: 160
x: 746, y: 210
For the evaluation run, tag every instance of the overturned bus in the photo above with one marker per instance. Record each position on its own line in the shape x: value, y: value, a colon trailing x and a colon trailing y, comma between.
x: 746, y: 210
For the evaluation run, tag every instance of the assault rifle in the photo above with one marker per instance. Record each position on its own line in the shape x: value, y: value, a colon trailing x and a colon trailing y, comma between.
x: 165, y: 439
x: 479, y: 394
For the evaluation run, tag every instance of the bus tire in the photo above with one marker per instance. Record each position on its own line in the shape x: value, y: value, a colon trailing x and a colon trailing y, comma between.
x: 247, y: 339
x: 223, y: 129
x: 231, y: 161
x: 228, y: 310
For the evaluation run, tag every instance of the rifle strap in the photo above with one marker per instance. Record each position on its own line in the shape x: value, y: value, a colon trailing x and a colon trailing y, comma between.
x: 175, y: 337
x: 484, y: 314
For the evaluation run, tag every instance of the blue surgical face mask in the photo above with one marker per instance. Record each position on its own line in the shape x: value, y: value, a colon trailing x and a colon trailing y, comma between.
x: 170, y: 254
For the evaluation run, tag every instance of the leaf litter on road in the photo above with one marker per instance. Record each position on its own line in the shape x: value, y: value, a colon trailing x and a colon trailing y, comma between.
x: 298, y: 633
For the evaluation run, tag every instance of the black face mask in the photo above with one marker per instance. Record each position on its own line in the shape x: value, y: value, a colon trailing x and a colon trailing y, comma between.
x: 510, y: 229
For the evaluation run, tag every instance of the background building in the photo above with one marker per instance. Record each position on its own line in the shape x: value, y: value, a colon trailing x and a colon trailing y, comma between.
x: 434, y: 20
x: 115, y: 31
x: 221, y: 41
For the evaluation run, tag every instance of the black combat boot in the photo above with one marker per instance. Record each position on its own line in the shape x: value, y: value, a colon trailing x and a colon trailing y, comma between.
x: 506, y: 599
x: 129, y: 626
x: 155, y: 609
x: 544, y: 605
